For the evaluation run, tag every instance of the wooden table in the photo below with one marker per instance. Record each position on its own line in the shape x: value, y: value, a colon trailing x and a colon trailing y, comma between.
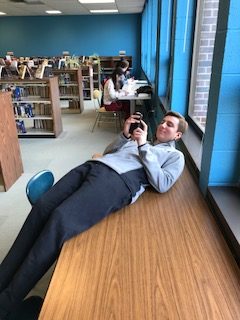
x: 162, y: 257
x: 132, y: 97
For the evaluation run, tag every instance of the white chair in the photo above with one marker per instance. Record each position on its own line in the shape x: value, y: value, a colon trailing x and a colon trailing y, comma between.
x: 104, y: 116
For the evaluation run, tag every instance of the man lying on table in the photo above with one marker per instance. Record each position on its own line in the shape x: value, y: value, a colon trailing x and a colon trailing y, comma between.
x: 87, y: 194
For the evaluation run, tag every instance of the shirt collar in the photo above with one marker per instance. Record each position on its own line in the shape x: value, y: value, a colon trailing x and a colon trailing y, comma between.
x: 170, y: 143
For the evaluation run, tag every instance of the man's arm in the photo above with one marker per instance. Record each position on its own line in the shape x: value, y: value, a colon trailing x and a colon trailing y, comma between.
x: 163, y: 168
x: 160, y: 175
x: 116, y: 144
x: 123, y: 138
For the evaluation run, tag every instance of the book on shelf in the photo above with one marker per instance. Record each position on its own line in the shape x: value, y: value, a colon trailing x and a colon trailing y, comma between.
x: 47, y: 71
x: 41, y: 68
x: 43, y: 124
x: 6, y: 72
x: 43, y: 71
x: 22, y: 71
x: 30, y: 72
x: 23, y: 110
x: 72, y: 62
x: 20, y: 126
x: 30, y: 63
x: 13, y: 65
x: 17, y: 93
x: 74, y: 104
x: 29, y: 110
x: 61, y: 63
x: 40, y: 71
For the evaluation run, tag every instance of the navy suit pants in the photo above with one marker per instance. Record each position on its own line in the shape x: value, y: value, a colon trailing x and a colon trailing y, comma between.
x: 76, y: 202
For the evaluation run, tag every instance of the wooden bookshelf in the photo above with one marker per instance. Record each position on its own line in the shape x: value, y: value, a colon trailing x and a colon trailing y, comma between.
x: 87, y: 82
x: 96, y: 75
x: 11, y: 166
x: 36, y: 107
x: 71, y: 88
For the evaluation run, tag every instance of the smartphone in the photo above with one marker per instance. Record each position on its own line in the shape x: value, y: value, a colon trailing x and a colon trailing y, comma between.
x: 136, y: 124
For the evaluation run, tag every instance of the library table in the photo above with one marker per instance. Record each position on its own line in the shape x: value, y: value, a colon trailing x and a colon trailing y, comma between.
x: 162, y: 257
x: 131, y: 87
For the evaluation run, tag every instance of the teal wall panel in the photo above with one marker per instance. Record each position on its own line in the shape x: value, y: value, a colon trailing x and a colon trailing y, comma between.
x: 164, y: 46
x: 224, y: 170
x: 182, y: 66
x: 229, y: 96
x: 221, y: 148
x: 231, y: 62
x: 179, y: 100
x: 184, y: 28
x: 227, y: 133
x: 80, y: 35
x: 234, y: 21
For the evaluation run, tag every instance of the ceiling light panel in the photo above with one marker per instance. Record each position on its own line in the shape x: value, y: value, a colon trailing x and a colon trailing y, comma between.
x: 53, y: 12
x: 104, y: 11
x: 67, y: 7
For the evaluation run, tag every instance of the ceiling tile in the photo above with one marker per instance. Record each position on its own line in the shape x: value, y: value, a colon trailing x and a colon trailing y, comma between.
x: 68, y: 7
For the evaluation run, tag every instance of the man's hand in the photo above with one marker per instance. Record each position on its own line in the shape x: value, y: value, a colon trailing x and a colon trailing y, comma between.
x: 140, y: 135
x: 127, y: 125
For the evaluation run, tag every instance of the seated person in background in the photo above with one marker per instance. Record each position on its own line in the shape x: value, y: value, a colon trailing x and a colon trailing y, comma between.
x: 86, y: 195
x: 112, y: 90
x: 124, y: 64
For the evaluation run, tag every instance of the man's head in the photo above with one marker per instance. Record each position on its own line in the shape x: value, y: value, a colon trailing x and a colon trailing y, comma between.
x: 171, y: 127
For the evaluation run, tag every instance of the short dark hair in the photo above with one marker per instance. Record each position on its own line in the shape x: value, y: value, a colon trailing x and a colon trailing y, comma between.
x: 183, y: 125
x: 122, y: 64
x: 119, y: 71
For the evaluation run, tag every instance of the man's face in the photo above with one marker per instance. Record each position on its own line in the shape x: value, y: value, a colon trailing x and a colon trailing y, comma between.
x: 167, y: 130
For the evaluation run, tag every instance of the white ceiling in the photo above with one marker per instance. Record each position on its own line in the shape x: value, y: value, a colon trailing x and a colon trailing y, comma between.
x: 67, y: 7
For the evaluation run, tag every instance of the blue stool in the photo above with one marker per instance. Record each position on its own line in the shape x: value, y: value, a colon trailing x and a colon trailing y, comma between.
x: 40, y: 183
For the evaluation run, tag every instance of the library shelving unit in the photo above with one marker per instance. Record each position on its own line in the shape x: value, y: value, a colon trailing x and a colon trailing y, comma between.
x: 87, y: 81
x: 108, y: 63
x: 36, y: 106
x: 71, y: 88
x: 96, y: 75
x: 11, y: 166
